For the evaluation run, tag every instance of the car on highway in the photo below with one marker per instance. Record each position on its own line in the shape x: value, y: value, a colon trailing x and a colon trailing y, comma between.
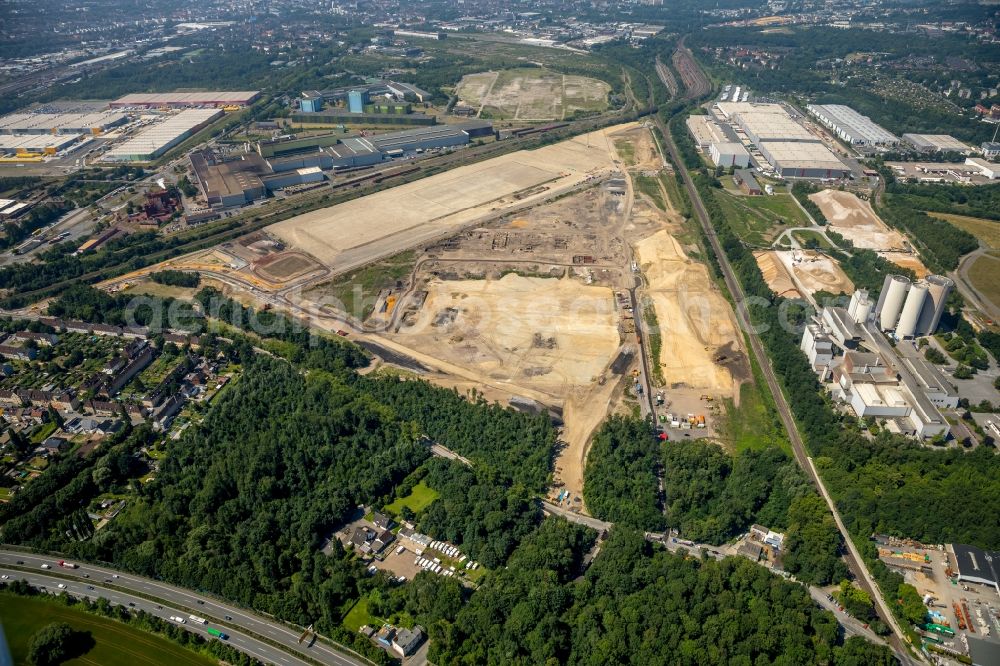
x: 20, y: 562
x: 201, y: 602
x: 90, y: 587
x: 46, y: 566
x: 178, y: 619
x: 61, y: 586
x: 86, y: 575
x: 228, y: 617
x: 4, y: 577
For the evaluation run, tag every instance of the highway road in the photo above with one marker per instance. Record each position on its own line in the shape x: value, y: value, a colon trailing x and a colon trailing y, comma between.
x: 855, y: 562
x: 247, y: 644
x: 179, y: 601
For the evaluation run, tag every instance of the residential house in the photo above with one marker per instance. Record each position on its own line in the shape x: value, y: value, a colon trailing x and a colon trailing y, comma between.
x: 18, y: 352
x: 41, y: 339
x: 407, y: 641
x: 381, y: 521
x: 385, y: 635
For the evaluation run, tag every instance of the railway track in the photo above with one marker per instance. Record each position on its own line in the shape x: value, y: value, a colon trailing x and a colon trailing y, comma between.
x: 697, y: 87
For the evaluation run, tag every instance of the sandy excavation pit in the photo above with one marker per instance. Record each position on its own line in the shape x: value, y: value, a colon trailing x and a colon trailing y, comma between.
x: 696, y: 323
x: 548, y: 334
x: 855, y: 220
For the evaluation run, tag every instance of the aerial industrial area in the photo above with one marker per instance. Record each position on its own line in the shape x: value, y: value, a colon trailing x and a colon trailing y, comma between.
x: 325, y: 329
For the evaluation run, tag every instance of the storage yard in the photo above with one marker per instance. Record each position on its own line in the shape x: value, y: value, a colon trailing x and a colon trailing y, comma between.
x: 531, y: 94
x: 813, y: 271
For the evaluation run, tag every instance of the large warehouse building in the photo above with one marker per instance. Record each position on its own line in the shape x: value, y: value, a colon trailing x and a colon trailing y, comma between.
x: 36, y: 145
x: 803, y: 159
x: 851, y: 126
x: 940, y: 143
x: 439, y: 136
x: 762, y: 126
x: 185, y: 100
x: 61, y: 123
x: 153, y: 141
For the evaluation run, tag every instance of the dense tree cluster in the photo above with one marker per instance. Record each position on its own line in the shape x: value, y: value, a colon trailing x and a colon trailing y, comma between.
x: 620, y: 481
x: 638, y: 604
x: 514, y: 446
x: 243, y: 504
x: 801, y: 191
x: 478, y: 509
x: 941, y: 244
x: 175, y: 278
x: 980, y: 201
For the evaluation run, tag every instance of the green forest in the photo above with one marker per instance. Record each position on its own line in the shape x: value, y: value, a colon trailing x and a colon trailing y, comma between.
x: 638, y: 604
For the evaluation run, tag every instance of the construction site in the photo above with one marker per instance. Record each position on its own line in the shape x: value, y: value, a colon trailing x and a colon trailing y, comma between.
x: 517, y: 277
x: 802, y: 273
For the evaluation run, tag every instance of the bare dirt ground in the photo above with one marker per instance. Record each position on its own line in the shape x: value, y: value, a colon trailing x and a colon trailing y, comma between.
x: 907, y: 260
x: 531, y: 94
x: 696, y: 322
x: 815, y: 272
x: 551, y: 335
x: 776, y: 275
x: 855, y: 220
x: 357, y: 232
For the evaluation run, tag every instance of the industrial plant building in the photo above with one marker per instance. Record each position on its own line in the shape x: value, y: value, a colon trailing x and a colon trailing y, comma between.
x: 227, y: 182
x: 157, y: 139
x: 728, y: 153
x: 936, y: 143
x: 802, y: 159
x: 440, y: 136
x: 904, y: 391
x: 851, y: 126
x: 185, y: 100
x: 61, y: 123
x: 705, y: 131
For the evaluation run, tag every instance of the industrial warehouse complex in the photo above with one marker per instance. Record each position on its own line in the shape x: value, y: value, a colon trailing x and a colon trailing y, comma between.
x: 61, y: 123
x: 851, y: 126
x: 150, y: 143
x: 776, y: 139
x: 883, y: 381
x: 279, y: 163
x: 185, y: 100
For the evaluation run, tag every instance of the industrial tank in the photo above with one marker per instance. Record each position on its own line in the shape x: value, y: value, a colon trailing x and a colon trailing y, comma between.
x: 860, y: 307
x: 938, y: 289
x: 890, y: 303
x: 914, y: 305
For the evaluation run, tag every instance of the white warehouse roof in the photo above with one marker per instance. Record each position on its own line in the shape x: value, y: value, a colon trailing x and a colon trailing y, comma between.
x: 154, y: 140
x: 801, y: 155
x: 851, y: 126
x: 761, y: 126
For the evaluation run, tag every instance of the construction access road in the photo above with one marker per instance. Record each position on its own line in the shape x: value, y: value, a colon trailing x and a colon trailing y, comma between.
x: 261, y: 637
x: 853, y: 557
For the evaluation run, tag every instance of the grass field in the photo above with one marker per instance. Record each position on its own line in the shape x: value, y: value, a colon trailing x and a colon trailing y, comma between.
x: 754, y: 424
x: 983, y: 274
x: 757, y: 219
x: 627, y: 151
x: 116, y: 644
x: 358, y: 291
x: 651, y: 188
x: 987, y: 231
x: 150, y: 288
x: 359, y: 616
x: 804, y: 237
x: 418, y: 499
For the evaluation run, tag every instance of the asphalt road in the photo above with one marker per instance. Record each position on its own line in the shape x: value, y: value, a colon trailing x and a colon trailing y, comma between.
x: 174, y: 599
x: 251, y: 646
